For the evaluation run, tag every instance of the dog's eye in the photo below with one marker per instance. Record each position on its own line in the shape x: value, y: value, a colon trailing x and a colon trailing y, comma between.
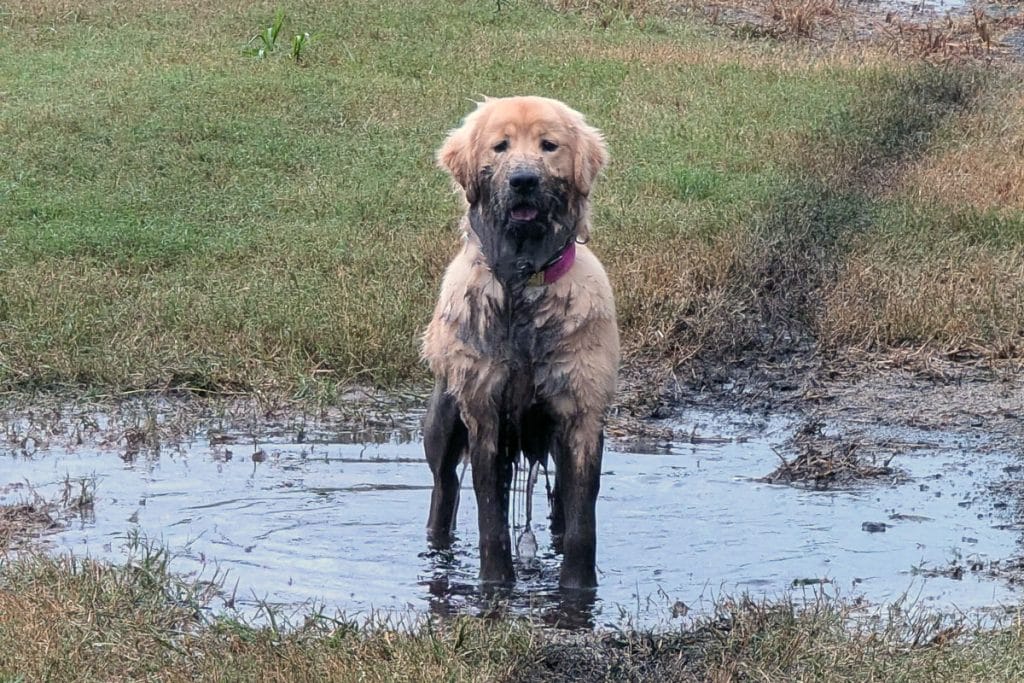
x: 501, y: 146
x: 548, y: 145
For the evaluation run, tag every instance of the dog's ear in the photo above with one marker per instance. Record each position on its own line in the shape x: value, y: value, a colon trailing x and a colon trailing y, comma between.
x: 456, y: 157
x: 591, y: 156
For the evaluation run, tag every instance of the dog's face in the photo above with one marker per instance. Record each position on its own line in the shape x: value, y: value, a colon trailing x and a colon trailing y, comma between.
x: 526, y: 165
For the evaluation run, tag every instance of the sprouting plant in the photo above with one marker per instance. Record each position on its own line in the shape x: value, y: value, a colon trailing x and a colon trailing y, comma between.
x: 265, y: 42
x: 299, y: 43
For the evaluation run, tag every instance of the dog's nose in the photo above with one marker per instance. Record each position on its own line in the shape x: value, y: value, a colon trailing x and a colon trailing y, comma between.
x: 523, y: 180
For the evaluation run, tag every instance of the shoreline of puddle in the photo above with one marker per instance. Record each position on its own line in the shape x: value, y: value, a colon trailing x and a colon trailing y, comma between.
x: 300, y: 514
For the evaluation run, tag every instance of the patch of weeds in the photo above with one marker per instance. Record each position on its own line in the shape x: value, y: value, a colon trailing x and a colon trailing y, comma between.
x: 978, y: 35
x: 779, y: 19
x: 265, y: 42
x: 149, y: 564
x: 802, y: 17
x: 300, y: 42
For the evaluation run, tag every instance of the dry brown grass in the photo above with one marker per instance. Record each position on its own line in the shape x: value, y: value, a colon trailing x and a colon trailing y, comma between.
x: 982, y: 164
x: 681, y: 299
x: 977, y: 35
x: 827, y: 461
x: 778, y: 19
x: 952, y: 298
x: 801, y: 18
x: 72, y: 11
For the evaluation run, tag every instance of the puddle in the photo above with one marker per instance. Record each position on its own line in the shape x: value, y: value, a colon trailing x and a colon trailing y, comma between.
x: 338, y: 518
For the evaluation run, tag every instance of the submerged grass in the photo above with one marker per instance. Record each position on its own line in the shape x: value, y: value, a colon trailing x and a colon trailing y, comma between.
x: 76, y: 619
x: 179, y: 214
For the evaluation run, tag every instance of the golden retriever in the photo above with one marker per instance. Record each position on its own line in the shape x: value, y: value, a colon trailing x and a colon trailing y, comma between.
x: 523, y: 343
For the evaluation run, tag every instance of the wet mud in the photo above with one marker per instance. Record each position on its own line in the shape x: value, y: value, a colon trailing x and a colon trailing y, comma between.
x: 289, y: 510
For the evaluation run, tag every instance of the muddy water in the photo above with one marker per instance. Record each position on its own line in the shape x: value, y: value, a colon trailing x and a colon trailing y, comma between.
x: 338, y: 518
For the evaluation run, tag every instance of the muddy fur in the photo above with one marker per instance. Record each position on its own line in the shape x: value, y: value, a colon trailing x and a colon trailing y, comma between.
x: 520, y: 368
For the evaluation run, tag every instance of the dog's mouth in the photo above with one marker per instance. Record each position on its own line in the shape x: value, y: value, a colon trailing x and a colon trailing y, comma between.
x: 523, y: 213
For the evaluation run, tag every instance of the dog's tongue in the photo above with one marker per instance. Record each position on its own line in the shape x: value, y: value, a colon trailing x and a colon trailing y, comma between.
x: 524, y: 213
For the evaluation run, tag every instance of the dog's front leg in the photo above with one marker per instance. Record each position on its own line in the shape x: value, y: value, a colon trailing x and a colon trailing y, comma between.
x: 444, y: 441
x: 579, y: 479
x: 492, y: 477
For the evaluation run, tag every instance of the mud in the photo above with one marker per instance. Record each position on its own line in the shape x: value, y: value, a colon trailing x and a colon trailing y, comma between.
x: 288, y: 508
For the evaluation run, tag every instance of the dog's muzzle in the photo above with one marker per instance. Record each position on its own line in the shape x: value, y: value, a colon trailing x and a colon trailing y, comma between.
x: 524, y: 226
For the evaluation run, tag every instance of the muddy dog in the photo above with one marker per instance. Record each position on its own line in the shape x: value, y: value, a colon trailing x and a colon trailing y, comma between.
x: 523, y: 342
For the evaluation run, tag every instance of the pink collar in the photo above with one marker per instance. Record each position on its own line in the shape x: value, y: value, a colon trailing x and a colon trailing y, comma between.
x: 561, y: 265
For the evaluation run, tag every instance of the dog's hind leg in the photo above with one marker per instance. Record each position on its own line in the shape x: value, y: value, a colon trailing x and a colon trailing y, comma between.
x: 444, y: 441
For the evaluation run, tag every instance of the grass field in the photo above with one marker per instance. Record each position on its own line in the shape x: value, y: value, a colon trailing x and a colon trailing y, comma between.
x: 178, y: 212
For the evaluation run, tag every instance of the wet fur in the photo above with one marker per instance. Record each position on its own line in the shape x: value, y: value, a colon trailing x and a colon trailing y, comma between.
x: 521, y: 369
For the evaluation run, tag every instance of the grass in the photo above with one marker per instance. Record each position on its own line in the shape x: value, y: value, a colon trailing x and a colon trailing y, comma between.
x: 180, y: 214
x: 76, y: 619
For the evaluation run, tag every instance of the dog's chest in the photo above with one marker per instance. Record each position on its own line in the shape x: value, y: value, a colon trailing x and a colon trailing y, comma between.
x: 516, y: 331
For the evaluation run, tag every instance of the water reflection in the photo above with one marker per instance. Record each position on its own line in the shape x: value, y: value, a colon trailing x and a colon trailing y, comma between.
x: 454, y: 590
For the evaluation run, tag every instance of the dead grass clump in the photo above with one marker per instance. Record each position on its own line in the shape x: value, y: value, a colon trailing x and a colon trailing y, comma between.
x: 28, y: 519
x: 974, y: 36
x: 824, y: 462
x: 800, y: 18
x: 22, y: 520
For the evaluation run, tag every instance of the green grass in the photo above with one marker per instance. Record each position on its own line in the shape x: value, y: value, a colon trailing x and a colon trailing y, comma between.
x: 176, y: 212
